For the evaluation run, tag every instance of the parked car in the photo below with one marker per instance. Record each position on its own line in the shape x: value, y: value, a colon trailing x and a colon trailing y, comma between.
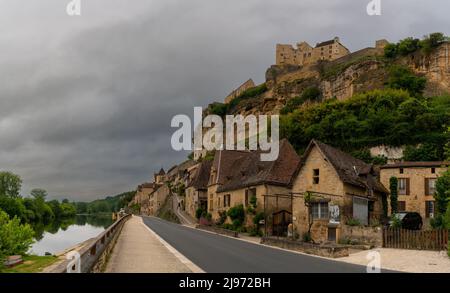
x: 409, y: 220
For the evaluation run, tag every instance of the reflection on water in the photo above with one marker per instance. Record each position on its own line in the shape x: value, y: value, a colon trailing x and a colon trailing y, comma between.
x: 60, y: 235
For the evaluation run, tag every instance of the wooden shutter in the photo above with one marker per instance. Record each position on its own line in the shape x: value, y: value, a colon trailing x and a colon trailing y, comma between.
x: 407, y: 186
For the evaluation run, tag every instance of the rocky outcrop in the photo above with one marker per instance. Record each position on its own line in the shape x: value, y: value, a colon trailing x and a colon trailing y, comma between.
x: 435, y: 66
x: 358, y: 72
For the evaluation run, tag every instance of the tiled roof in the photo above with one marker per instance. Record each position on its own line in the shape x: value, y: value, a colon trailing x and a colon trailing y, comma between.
x: 201, y: 176
x: 350, y: 170
x: 240, y: 169
x: 417, y: 164
x: 161, y: 172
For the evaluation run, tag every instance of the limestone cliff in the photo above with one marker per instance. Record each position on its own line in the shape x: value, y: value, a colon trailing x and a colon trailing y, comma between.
x: 355, y: 73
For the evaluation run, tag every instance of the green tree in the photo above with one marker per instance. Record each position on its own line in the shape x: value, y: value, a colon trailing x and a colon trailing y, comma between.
x: 442, y: 195
x: 432, y: 41
x: 14, y: 207
x: 39, y: 194
x: 391, y: 50
x: 15, y: 238
x: 393, y: 187
x: 424, y: 152
x: 401, y: 77
x: 10, y: 184
x: 56, y: 208
x: 408, y: 45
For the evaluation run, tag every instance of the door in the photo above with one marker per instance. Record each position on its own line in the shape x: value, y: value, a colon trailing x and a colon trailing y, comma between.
x: 332, y: 234
x: 361, y: 210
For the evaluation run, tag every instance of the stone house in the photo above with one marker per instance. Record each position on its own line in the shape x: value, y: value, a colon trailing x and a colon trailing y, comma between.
x: 142, y: 196
x: 416, y: 185
x: 305, y: 54
x: 157, y: 199
x: 237, y: 176
x: 341, y: 188
x: 197, y: 188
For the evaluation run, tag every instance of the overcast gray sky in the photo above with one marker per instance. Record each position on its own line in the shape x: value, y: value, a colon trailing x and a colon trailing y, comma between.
x: 86, y: 101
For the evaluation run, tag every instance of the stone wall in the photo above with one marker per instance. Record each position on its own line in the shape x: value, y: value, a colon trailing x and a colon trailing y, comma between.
x: 333, y: 251
x: 372, y: 236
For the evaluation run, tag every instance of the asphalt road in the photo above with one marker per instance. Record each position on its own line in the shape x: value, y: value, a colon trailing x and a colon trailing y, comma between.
x: 218, y: 254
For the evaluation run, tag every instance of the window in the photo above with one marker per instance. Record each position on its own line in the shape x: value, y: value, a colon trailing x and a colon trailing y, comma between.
x: 319, y: 210
x: 430, y: 186
x: 401, y: 206
x: 429, y: 209
x: 211, y: 202
x: 316, y: 176
x: 402, y: 171
x: 218, y: 202
x: 433, y: 170
x: 403, y: 186
x: 227, y: 200
x: 249, y: 193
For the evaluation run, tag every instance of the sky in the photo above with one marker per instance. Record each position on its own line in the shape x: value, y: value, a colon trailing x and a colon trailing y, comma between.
x: 86, y: 101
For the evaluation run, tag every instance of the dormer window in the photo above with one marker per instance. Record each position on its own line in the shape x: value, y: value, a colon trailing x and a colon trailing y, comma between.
x: 316, y: 176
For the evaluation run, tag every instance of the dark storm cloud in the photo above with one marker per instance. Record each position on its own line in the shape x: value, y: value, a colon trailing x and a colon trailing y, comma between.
x: 86, y: 103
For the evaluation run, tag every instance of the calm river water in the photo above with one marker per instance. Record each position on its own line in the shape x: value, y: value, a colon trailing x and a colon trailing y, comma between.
x: 58, y: 236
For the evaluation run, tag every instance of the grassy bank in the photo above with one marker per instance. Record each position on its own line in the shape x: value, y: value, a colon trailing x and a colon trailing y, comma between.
x: 31, y: 264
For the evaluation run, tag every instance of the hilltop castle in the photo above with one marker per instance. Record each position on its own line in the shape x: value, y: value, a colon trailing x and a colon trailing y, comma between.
x: 304, y: 54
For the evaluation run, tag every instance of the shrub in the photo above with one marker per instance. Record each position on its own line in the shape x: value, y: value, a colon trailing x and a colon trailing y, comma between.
x: 237, y: 215
x: 353, y: 222
x: 401, y: 77
x: 259, y: 217
x: 396, y: 222
x: 250, y: 93
x: 15, y: 238
x: 309, y: 94
x: 306, y: 237
x: 393, y: 188
x: 199, y: 213
x: 222, y: 218
x: 218, y: 109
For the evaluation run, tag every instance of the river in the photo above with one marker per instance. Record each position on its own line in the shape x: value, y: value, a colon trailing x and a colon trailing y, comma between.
x: 60, y: 235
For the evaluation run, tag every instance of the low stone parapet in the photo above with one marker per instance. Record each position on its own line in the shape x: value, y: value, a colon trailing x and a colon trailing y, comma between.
x: 325, y: 250
x: 218, y: 230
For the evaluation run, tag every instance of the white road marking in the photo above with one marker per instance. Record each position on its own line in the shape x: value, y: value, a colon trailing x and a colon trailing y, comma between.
x: 193, y: 267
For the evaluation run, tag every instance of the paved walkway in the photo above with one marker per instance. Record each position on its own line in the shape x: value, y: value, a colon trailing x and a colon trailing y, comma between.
x: 140, y: 250
x: 413, y: 261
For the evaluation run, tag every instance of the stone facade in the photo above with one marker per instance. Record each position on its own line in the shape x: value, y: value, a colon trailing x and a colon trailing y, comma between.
x: 419, y: 179
x: 157, y: 199
x: 305, y: 54
x: 321, y: 178
x: 197, y: 188
x: 237, y: 92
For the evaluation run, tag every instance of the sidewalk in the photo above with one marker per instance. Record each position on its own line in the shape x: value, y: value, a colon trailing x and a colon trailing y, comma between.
x: 412, y: 261
x: 139, y: 251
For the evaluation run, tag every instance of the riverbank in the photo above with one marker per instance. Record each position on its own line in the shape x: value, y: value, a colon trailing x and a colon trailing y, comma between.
x: 32, y: 264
